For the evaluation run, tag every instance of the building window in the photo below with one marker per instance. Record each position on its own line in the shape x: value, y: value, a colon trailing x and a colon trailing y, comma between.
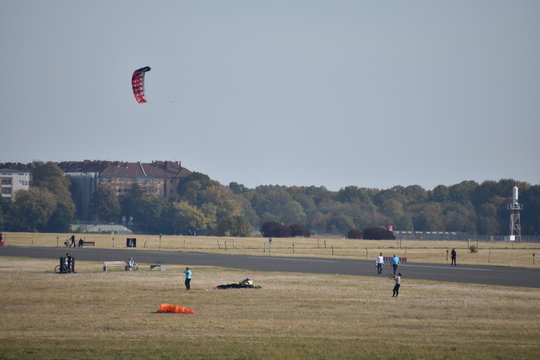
x: 6, y: 191
x: 6, y: 181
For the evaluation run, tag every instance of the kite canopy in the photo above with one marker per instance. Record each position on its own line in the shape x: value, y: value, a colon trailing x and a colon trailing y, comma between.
x: 137, y: 82
x: 176, y: 309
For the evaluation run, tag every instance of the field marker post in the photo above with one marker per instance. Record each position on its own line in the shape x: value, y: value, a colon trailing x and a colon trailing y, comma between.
x: 533, y: 257
x: 332, y: 249
x: 293, y: 248
x: 219, y: 247
x: 264, y: 247
x: 113, y: 243
x: 366, y: 253
x: 489, y: 257
x: 225, y: 245
x: 57, y: 241
x: 325, y: 243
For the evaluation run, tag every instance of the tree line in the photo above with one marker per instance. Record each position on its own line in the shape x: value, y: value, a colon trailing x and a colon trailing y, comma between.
x: 206, y: 207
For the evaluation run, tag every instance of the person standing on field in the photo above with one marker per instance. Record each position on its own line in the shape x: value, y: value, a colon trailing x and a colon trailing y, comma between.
x: 395, y: 262
x: 397, y: 279
x: 379, y: 263
x: 187, y: 282
x: 453, y: 256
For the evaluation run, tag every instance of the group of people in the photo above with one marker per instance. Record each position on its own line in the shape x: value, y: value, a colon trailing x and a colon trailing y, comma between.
x: 379, y: 264
x: 72, y: 243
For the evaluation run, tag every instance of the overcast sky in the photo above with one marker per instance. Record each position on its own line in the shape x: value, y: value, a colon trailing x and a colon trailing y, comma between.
x: 293, y: 92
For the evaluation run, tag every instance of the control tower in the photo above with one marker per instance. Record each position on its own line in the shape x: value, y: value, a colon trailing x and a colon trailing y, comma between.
x: 515, y: 223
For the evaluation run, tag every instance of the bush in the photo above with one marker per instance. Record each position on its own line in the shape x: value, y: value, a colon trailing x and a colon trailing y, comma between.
x: 473, y: 248
x: 299, y: 230
x: 355, y: 234
x: 378, y: 233
x: 274, y: 229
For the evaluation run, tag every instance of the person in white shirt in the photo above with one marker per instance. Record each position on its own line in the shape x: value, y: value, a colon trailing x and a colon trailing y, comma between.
x: 379, y: 263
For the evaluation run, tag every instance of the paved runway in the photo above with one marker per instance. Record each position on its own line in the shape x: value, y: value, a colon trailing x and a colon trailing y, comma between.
x: 491, y: 275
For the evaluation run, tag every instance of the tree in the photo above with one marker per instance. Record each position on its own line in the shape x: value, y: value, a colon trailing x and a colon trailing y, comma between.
x: 128, y: 204
x: 233, y: 226
x: 182, y: 218
x: 427, y: 216
x: 50, y: 177
x: 61, y: 218
x: 147, y: 212
x: 237, y: 188
x: 31, y: 210
x: 104, y: 204
x: 440, y: 194
x: 274, y: 203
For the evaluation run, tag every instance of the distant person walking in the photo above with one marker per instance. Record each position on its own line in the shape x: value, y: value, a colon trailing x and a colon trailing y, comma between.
x: 72, y: 238
x: 379, y: 263
x: 395, y: 262
x: 453, y: 256
x: 187, y: 282
x: 397, y: 279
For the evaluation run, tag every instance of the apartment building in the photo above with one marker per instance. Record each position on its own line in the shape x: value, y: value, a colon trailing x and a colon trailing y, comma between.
x: 12, y: 181
x: 158, y: 177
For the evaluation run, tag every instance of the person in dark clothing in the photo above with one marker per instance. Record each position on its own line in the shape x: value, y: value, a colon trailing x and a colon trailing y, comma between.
x: 68, y: 264
x: 453, y: 256
x: 72, y: 238
x: 397, y: 279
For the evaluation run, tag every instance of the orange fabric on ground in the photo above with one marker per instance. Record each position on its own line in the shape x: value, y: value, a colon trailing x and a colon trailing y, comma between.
x: 176, y: 309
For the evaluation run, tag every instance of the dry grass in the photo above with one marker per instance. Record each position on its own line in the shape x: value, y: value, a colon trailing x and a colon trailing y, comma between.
x: 93, y: 314
x: 490, y: 253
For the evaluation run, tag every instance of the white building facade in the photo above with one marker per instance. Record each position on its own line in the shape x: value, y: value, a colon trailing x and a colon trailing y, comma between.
x: 12, y: 181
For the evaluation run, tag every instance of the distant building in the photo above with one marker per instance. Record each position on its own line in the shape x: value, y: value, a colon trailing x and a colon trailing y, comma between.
x: 158, y: 177
x: 12, y: 181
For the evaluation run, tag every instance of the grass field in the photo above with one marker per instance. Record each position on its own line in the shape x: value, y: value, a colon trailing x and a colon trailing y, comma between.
x: 97, y: 315
x: 490, y: 253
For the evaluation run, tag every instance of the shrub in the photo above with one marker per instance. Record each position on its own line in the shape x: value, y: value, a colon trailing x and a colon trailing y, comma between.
x: 274, y: 229
x: 378, y: 233
x: 355, y: 234
x: 299, y: 230
x: 473, y: 248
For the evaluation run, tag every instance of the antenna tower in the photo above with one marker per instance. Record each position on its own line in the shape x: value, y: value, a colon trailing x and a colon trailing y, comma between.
x: 515, y: 222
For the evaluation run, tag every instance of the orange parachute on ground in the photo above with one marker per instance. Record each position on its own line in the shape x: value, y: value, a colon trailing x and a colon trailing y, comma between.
x: 176, y: 309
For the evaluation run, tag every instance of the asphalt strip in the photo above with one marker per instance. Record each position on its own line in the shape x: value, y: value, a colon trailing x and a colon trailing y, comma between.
x: 438, y: 267
x: 286, y: 259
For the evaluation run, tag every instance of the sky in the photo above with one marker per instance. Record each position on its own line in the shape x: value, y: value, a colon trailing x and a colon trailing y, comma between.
x: 329, y: 93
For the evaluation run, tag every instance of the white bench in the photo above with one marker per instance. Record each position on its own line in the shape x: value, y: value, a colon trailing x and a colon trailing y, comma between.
x: 162, y: 267
x: 107, y: 264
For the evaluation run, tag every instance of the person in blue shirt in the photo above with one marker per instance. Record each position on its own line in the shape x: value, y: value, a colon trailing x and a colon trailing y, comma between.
x: 188, y: 278
x: 395, y: 262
